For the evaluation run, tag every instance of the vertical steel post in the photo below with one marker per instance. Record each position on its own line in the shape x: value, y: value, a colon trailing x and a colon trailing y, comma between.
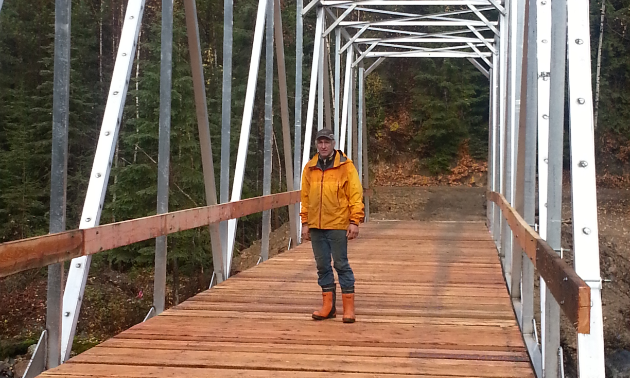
x: 583, y: 180
x: 503, y: 50
x: 492, y: 143
x: 266, y: 216
x: 337, y: 83
x: 543, y: 28
x: 243, y: 143
x: 526, y: 185
x: 164, y: 151
x: 551, y: 337
x: 491, y: 149
x: 365, y: 163
x: 320, y: 81
x: 99, y: 176
x: 529, y: 123
x: 284, y: 112
x: 297, y: 149
x: 58, y: 174
x: 508, y: 152
x: 226, y: 114
x: 201, y: 107
x: 311, y: 94
x: 361, y: 121
x: 519, y: 97
x: 346, y: 99
x: 498, y: 141
x: 327, y: 96
x: 353, y: 153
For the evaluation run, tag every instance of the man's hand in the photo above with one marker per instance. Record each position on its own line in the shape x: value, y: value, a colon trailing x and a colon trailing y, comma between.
x: 353, y: 231
x: 306, y: 236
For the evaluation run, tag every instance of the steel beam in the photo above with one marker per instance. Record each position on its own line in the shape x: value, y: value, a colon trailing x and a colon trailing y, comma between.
x: 164, y: 151
x: 243, y: 143
x: 551, y: 336
x: 528, y: 162
x: 442, y: 23
x: 374, y: 66
x: 79, y: 267
x: 361, y: 120
x: 311, y: 94
x: 583, y: 184
x: 339, y: 20
x: 58, y: 180
x: 326, y: 85
x: 404, y: 2
x: 284, y: 113
x: 346, y: 101
x: 483, y: 19
x: 352, y: 39
x: 360, y: 58
x: 518, y: 144
x: 337, y: 83
x: 266, y: 215
x: 226, y: 114
x: 543, y: 52
x: 203, y: 125
x: 297, y: 173
x: 422, y: 39
x: 481, y: 68
x: 320, y: 84
x: 425, y: 54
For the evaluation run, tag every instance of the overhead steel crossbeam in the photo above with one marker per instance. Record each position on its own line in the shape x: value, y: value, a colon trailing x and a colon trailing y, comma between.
x: 381, y: 31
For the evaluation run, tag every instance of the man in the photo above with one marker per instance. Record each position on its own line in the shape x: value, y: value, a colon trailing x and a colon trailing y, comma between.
x: 332, y: 208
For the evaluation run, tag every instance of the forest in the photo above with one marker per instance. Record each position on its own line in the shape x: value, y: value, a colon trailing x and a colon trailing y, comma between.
x: 430, y: 110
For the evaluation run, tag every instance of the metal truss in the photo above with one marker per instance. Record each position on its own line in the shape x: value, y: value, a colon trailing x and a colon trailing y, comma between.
x: 523, y: 47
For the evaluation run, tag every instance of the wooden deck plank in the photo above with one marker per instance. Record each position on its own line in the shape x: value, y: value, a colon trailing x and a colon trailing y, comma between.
x: 430, y: 302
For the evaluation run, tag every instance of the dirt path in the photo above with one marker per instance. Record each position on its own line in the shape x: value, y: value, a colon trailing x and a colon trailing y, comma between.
x: 437, y: 203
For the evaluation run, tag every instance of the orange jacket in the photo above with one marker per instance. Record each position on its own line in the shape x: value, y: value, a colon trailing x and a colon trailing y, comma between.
x: 331, y: 199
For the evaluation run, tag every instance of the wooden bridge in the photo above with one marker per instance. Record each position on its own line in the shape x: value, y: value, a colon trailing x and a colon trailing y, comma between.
x: 431, y: 302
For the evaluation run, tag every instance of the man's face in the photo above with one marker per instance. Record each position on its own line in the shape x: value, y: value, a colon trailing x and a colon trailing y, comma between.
x: 325, y: 147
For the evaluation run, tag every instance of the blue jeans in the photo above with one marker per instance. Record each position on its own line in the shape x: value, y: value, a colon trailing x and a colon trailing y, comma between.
x: 327, y: 243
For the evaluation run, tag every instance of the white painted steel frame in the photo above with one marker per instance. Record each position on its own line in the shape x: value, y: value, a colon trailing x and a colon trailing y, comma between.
x: 267, y: 153
x: 337, y: 83
x: 297, y: 142
x: 543, y: 41
x: 243, y: 143
x: 308, y: 132
x: 99, y: 176
x: 346, y: 101
x: 405, y: 2
x: 583, y: 188
x: 519, y: 63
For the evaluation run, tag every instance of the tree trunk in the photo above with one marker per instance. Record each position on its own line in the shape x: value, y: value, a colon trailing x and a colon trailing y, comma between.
x: 599, y: 62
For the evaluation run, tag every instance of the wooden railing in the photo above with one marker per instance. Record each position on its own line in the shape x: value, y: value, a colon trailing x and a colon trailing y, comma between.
x: 40, y: 251
x: 48, y: 249
x: 570, y: 291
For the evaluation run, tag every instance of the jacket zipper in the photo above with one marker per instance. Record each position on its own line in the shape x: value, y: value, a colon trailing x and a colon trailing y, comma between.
x: 321, y: 199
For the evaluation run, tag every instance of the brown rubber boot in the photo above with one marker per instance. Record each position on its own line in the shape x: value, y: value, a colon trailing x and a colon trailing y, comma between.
x: 328, y: 310
x: 348, y: 307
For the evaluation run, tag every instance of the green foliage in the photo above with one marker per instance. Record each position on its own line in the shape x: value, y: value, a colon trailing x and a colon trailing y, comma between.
x: 427, y: 108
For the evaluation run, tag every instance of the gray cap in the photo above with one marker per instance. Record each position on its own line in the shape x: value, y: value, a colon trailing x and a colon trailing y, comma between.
x: 325, y: 133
